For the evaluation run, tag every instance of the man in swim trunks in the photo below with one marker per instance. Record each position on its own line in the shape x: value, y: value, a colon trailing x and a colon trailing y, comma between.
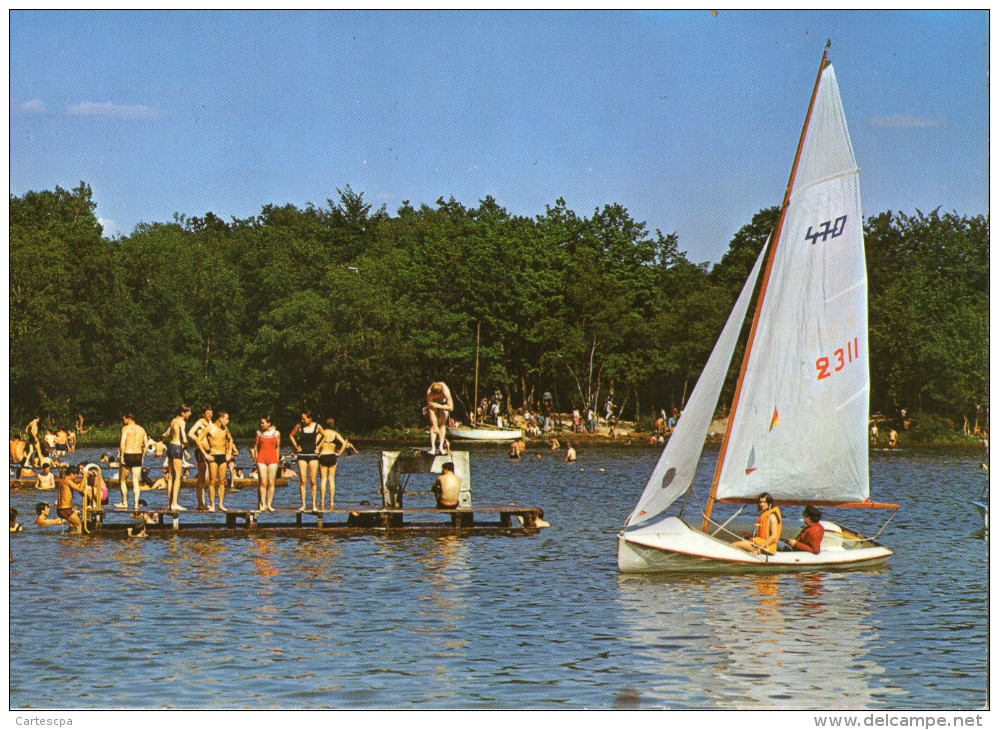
x: 200, y: 457
x: 71, y: 481
x: 31, y: 432
x: 132, y: 448
x: 216, y: 444
x: 446, y: 487
x: 176, y: 438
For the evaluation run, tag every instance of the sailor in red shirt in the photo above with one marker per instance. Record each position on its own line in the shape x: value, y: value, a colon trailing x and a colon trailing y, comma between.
x: 810, y: 538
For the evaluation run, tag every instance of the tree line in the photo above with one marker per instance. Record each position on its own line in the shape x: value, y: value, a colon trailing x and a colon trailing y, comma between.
x: 352, y: 312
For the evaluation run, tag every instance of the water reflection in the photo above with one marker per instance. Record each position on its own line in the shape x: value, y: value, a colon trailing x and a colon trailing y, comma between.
x: 795, y: 641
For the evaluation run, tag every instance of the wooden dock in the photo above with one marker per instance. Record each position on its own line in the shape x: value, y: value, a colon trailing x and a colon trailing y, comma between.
x: 485, y: 518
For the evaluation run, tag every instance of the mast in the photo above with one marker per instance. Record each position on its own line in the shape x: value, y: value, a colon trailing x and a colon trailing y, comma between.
x: 774, y: 241
x: 475, y: 403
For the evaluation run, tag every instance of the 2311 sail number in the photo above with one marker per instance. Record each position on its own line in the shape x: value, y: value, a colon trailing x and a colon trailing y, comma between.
x: 840, y: 359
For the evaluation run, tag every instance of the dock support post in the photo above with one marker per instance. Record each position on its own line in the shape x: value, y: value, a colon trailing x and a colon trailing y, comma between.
x: 176, y: 520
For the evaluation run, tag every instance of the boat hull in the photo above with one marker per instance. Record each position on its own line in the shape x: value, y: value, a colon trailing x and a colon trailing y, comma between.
x: 461, y: 433
x: 672, y: 546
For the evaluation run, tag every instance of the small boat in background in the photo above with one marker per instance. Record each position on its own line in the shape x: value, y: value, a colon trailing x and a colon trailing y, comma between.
x: 482, y: 432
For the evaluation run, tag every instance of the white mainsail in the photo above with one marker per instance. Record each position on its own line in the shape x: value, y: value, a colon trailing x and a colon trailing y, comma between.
x: 674, y: 472
x: 799, y: 426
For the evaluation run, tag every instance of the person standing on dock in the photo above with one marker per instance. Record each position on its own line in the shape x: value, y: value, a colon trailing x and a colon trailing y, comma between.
x: 132, y: 448
x: 31, y: 436
x: 328, y: 455
x: 176, y: 438
x: 308, y: 438
x: 216, y: 444
x: 447, y: 487
x: 200, y: 457
x: 265, y: 452
x: 438, y: 410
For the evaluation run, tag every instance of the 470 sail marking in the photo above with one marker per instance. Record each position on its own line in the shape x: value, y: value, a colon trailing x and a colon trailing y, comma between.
x: 828, y: 229
x: 842, y: 359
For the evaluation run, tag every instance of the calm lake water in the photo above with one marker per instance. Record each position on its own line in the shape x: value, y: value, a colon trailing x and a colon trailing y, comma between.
x: 493, y: 621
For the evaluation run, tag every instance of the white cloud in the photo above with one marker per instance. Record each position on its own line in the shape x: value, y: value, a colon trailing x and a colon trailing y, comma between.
x: 114, y: 111
x: 111, y: 229
x: 907, y: 121
x: 35, y: 106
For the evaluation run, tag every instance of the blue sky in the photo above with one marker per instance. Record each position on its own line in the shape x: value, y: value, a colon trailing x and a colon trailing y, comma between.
x: 687, y: 119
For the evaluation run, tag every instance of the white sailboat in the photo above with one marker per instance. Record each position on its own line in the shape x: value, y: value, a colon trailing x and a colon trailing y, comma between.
x: 798, y: 423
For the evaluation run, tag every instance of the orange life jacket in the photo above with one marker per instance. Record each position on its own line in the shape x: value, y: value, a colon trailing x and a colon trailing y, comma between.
x: 763, y: 537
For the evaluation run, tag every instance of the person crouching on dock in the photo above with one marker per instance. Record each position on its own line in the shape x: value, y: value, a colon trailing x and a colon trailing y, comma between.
x: 438, y: 410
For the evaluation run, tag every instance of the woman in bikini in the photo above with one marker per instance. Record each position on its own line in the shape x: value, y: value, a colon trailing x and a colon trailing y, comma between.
x: 328, y: 455
x: 265, y: 453
x: 305, y: 439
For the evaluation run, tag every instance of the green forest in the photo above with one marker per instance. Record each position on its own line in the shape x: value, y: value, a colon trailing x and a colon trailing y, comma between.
x: 352, y: 312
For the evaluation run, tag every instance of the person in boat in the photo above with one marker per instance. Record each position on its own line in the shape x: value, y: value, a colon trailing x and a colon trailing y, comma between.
x: 71, y: 481
x: 329, y: 452
x: 570, y: 452
x: 42, y: 518
x: 132, y: 448
x: 447, y: 487
x: 176, y: 439
x: 266, y: 453
x: 438, y: 409
x: 305, y: 439
x: 216, y: 446
x: 46, y: 480
x: 517, y: 448
x: 766, y: 532
x: 200, y: 457
x: 810, y: 537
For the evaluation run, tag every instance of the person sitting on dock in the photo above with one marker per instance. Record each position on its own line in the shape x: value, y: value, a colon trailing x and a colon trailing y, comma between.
x: 42, y: 519
x: 438, y: 410
x: 132, y: 448
x: 810, y: 537
x: 446, y: 487
x: 46, y: 480
x: 767, y: 528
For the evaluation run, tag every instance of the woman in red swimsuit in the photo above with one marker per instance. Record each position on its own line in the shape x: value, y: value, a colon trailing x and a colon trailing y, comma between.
x: 265, y: 453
